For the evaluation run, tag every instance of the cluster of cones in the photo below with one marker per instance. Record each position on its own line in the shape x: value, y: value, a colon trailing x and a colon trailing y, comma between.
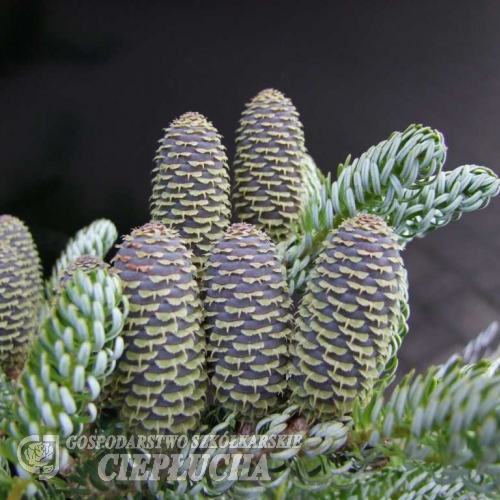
x: 211, y: 319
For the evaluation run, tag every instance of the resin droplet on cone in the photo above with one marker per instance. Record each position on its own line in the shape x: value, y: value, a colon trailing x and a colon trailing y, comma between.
x: 349, y: 312
x: 247, y: 318
x: 268, y: 164
x: 160, y: 378
x: 191, y: 183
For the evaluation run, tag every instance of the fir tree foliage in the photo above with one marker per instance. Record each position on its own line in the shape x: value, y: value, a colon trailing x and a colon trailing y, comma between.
x: 6, y: 394
x: 444, y: 199
x: 485, y: 345
x: 410, y: 483
x: 95, y: 239
x: 76, y: 348
x: 402, y: 181
x: 312, y: 179
x: 446, y: 419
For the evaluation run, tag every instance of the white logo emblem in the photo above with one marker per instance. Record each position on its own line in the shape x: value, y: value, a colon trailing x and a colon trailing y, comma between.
x: 39, y: 455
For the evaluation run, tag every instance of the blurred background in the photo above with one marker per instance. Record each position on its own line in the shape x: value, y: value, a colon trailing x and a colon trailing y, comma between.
x: 86, y: 88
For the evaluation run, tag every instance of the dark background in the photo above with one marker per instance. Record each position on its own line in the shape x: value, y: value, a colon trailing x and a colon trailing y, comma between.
x: 87, y: 86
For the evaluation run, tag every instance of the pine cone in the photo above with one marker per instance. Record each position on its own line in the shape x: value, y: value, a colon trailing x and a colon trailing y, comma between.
x: 21, y: 291
x: 346, y: 319
x: 16, y: 311
x: 160, y: 378
x: 15, y: 233
x: 191, y: 183
x: 268, y: 164
x: 85, y: 263
x: 247, y: 317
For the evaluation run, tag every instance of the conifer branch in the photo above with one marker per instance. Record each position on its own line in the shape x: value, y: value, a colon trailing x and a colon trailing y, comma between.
x: 444, y: 199
x: 447, y: 419
x: 373, y: 183
x: 95, y: 239
x: 77, y: 347
x: 485, y: 345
